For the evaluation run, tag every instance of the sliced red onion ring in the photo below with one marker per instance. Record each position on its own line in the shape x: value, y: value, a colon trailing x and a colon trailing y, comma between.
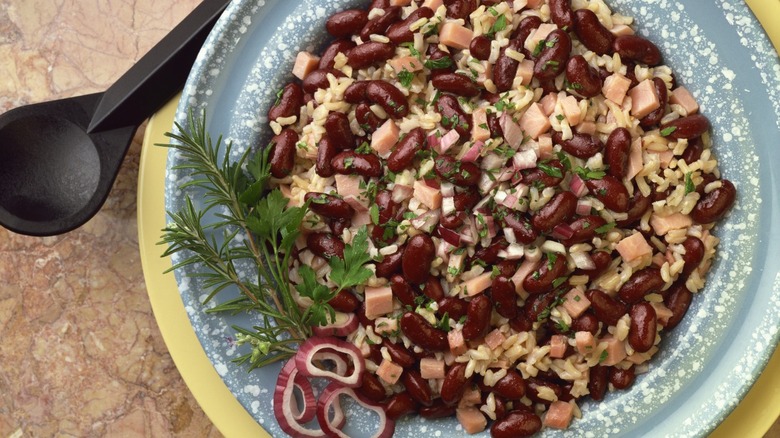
x: 344, y: 324
x: 563, y: 232
x: 286, y: 409
x: 312, y: 346
x: 310, y: 403
x: 337, y: 359
x: 330, y: 398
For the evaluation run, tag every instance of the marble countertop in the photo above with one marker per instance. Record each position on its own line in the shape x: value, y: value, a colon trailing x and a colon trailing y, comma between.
x: 81, y: 351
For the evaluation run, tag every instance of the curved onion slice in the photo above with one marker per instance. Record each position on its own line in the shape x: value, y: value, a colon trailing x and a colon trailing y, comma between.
x: 310, y: 404
x: 337, y: 359
x: 344, y: 324
x: 307, y: 351
x: 330, y: 398
x: 286, y: 409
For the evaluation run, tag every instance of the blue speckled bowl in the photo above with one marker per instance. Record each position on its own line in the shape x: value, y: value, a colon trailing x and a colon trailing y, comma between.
x: 709, y: 362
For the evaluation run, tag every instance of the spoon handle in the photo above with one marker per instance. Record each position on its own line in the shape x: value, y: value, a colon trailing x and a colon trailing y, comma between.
x: 159, y: 75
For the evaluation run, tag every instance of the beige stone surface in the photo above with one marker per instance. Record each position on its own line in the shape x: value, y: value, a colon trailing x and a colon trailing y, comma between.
x: 80, y: 350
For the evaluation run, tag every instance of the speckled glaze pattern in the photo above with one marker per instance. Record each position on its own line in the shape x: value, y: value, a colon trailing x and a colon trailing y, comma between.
x: 708, y: 363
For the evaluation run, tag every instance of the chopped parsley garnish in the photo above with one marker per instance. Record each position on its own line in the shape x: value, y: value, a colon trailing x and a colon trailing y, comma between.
x: 435, y: 64
x: 668, y: 131
x: 374, y: 213
x: 551, y: 259
x: 405, y: 77
x: 364, y: 148
x: 560, y: 117
x: 538, y: 49
x: 550, y: 170
x: 551, y: 63
x: 689, y: 186
x: 412, y: 50
x: 559, y: 281
x: 279, y: 96
x: 604, y: 356
x: 587, y: 174
x: 498, y: 26
x: 605, y: 228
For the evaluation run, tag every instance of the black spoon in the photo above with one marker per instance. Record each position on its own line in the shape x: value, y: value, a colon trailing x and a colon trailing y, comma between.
x: 59, y: 159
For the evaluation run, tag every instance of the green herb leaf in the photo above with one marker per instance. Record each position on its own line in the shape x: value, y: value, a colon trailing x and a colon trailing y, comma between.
x: 550, y: 170
x: 668, y: 131
x: 498, y: 26
x: 374, y: 213
x: 405, y: 77
x: 689, y: 186
x: 435, y: 64
x: 605, y: 228
x: 349, y: 271
x: 587, y: 174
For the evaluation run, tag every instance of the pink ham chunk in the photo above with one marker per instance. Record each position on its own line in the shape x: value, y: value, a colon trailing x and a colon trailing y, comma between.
x: 433, y: 4
x: 635, y: 161
x: 616, y: 351
x: 408, y: 63
x: 621, y: 29
x: 559, y: 415
x: 511, y: 131
x: 533, y: 4
x: 431, y: 368
x: 479, y: 128
x: 633, y: 247
x: 379, y: 301
x: 615, y: 87
x: 471, y: 397
x: 385, y: 137
x: 538, y: 35
x: 587, y: 128
x: 523, y: 271
x: 494, y: 339
x: 477, y: 284
x: 681, y: 96
x: 533, y: 122
x: 644, y: 100
x: 548, y: 103
x: 455, y: 35
x: 427, y: 195
x: 472, y: 420
x: 586, y: 343
x: 545, y: 146
x: 384, y: 325
x: 558, y: 344
x: 575, y: 302
x: 348, y: 185
x: 389, y: 372
x: 400, y: 2
x: 664, y: 158
x: 662, y: 313
x: 571, y: 110
x: 305, y: 63
x: 525, y: 71
x: 457, y: 343
x: 663, y: 224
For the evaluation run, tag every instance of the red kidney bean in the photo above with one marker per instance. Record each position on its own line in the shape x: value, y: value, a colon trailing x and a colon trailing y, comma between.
x: 422, y: 333
x: 641, y: 332
x: 325, y: 245
x: 561, y: 13
x: 451, y: 221
x: 399, y: 354
x: 380, y: 24
x: 327, y: 60
x: 399, y: 405
x: 350, y: 163
x: 388, y: 209
x: 494, y: 125
x: 459, y: 8
x: 584, y: 229
x: 522, y: 322
x: 326, y: 151
x: 436, y: 55
x: 637, y: 48
x: 678, y: 302
x: 437, y: 410
x: 356, y: 92
x: 552, y: 60
x: 525, y: 233
x: 366, y: 118
x: 339, y: 132
x: 693, y: 151
x: 466, y: 200
x: 454, y: 384
x: 337, y: 226
x: 641, y: 283
x: 477, y: 318
x: 456, y: 308
x: 372, y: 388
x: 383, y: 235
x: 433, y: 289
x: 597, y: 382
x: 417, y: 387
x: 418, y: 256
x: 329, y: 206
x: 616, y: 152
x: 715, y: 204
x: 501, y: 408
x: 452, y: 116
x: 511, y: 386
x: 399, y: 32
x: 502, y: 290
x: 378, y: 4
x: 580, y: 145
x: 630, y: 73
x: 319, y: 79
x: 390, y: 264
x: 404, y: 152
x: 479, y: 47
x: 694, y: 254
x: 542, y: 278
x: 402, y: 290
x: 489, y: 255
x: 657, y: 114
x: 607, y: 309
x: 582, y: 78
x: 505, y: 68
x: 557, y: 211
x: 346, y: 23
x: 601, y: 259
x: 686, y: 127
x: 534, y: 384
x: 587, y: 322
x: 344, y: 301
x: 369, y: 53
x: 455, y: 83
x: 637, y: 207
x: 531, y: 176
x: 288, y: 104
x: 524, y: 29
x: 389, y: 97
x: 705, y: 179
x: 610, y: 191
x: 282, y: 155
x: 592, y: 33
x: 460, y: 173
x: 621, y: 379
x: 518, y: 423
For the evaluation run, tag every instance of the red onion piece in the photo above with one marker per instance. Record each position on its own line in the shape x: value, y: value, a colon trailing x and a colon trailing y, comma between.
x: 513, y: 134
x: 402, y: 193
x: 330, y: 398
x: 473, y: 153
x: 310, y: 403
x: 448, y: 140
x: 311, y: 346
x: 583, y: 207
x: 449, y: 236
x: 578, y: 186
x: 583, y: 260
x: 286, y: 409
x: 344, y: 324
x: 434, y: 140
x: 337, y: 359
x: 562, y: 232
x: 524, y: 160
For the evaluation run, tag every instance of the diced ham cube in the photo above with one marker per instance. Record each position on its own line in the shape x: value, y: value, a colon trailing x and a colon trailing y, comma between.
x: 494, y: 339
x: 361, y: 217
x: 638, y: 358
x: 379, y: 301
x: 681, y: 96
x: 663, y: 224
x: 633, y: 247
x: 559, y: 415
x: 621, y: 29
x: 385, y: 137
x: 586, y: 343
x: 662, y: 313
x: 545, y: 146
x: 305, y: 63
x: 525, y: 71
x: 534, y: 122
x: 571, y: 110
x: 471, y: 397
x: 644, y: 100
x: 587, y: 128
x: 408, y: 63
x: 456, y: 341
x: 428, y: 196
x: 477, y: 284
x: 472, y: 420
x: 348, y: 185
x: 635, y: 162
x: 523, y: 271
x: 455, y: 35
x: 540, y: 34
x: 533, y: 4
x: 384, y: 325
x: 400, y: 2
x: 558, y: 344
x: 616, y: 351
x: 479, y: 128
x: 431, y: 368
x: 433, y: 4
x: 547, y: 103
x: 664, y: 158
x: 389, y: 372
x: 615, y: 87
x: 575, y: 302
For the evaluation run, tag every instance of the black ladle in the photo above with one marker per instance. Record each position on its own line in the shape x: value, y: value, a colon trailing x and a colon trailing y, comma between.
x: 59, y: 159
